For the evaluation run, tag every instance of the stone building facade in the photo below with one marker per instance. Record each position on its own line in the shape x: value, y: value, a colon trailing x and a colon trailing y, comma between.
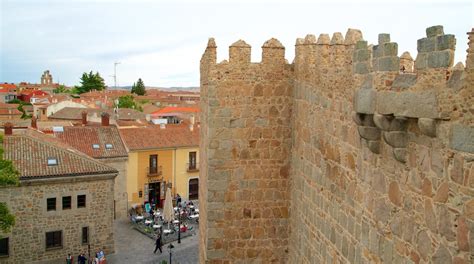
x: 350, y: 154
x: 60, y: 207
x: 46, y: 78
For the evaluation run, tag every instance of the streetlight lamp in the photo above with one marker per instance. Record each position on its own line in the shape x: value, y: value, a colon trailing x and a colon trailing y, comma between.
x: 115, y: 73
x: 179, y: 223
x: 170, y: 246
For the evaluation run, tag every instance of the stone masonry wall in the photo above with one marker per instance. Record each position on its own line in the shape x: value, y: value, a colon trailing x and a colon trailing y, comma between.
x: 246, y: 144
x: 28, y: 204
x: 381, y: 159
x: 120, y: 188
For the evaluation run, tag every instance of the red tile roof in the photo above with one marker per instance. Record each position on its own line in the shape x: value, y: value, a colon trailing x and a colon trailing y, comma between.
x: 8, y: 106
x: 7, y: 88
x: 102, y: 94
x: 75, y: 113
x: 30, y: 155
x: 171, y: 109
x: 10, y: 111
x: 17, y: 123
x: 131, y: 123
x: 155, y: 137
x: 34, y: 92
x: 149, y: 108
x: 82, y: 139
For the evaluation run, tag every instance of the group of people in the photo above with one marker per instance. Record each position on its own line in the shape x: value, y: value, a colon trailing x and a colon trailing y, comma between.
x: 81, y: 259
x: 187, y: 207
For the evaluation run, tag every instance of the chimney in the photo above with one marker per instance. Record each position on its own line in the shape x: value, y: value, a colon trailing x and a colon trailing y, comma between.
x: 33, y: 123
x: 191, y: 127
x: 84, y: 118
x: 8, y: 129
x: 191, y: 119
x: 105, y: 118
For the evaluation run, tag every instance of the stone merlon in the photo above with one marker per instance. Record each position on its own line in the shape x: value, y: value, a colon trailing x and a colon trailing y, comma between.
x: 239, y: 52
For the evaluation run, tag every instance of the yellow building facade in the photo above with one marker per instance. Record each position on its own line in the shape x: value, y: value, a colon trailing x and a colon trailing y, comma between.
x: 187, y: 173
x: 152, y: 165
x: 145, y: 182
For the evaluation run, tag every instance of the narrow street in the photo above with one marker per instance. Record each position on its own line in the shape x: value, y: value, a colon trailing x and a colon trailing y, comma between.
x: 133, y: 247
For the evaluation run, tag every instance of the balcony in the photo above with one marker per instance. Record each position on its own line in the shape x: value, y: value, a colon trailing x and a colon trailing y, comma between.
x: 154, y: 171
x: 192, y: 167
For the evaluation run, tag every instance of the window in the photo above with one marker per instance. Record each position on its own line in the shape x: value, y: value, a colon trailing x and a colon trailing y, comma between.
x: 51, y: 204
x: 192, y: 160
x: 109, y: 146
x: 153, y: 164
x: 193, y: 189
x: 4, y: 247
x: 85, y: 235
x: 52, y: 161
x: 66, y: 202
x: 54, y: 239
x: 95, y: 146
x: 58, y: 129
x: 81, y: 201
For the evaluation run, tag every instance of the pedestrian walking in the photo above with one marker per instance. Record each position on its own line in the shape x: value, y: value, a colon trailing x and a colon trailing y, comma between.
x: 158, y: 244
x: 69, y: 259
x: 178, y: 200
x: 81, y: 259
x: 101, y: 256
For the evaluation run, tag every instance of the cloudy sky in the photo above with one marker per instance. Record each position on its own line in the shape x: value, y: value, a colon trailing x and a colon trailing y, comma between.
x: 162, y: 41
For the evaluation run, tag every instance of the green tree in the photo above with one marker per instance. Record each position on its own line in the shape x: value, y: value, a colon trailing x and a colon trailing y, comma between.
x: 139, y: 88
x: 89, y: 82
x: 126, y: 101
x: 7, y: 220
x: 15, y: 101
x: 61, y: 89
x: 9, y: 176
x: 20, y: 107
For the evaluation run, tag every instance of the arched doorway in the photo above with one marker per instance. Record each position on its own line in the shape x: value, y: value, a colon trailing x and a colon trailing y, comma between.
x: 193, y: 189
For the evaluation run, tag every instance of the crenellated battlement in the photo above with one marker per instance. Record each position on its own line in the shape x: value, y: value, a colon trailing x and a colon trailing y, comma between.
x: 326, y: 52
x: 273, y: 52
x: 353, y: 153
x: 424, y: 92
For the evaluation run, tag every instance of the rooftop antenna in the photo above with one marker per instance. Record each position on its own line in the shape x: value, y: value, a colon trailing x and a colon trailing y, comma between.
x: 115, y: 74
x: 116, y: 109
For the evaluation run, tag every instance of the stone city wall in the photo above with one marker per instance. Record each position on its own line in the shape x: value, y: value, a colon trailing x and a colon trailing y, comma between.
x: 246, y: 144
x: 380, y: 152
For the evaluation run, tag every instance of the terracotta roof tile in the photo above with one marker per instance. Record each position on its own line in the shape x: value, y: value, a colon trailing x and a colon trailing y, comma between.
x: 155, y: 137
x: 17, y: 123
x: 131, y: 123
x: 4, y: 105
x: 30, y: 154
x: 7, y: 88
x: 74, y: 113
x: 83, y: 139
x: 11, y: 111
x: 171, y: 109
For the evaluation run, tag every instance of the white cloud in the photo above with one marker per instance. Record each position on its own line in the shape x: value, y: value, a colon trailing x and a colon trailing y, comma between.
x: 162, y: 41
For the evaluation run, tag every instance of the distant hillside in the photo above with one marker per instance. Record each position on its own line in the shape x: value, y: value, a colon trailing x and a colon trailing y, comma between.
x: 171, y: 89
x: 190, y: 89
